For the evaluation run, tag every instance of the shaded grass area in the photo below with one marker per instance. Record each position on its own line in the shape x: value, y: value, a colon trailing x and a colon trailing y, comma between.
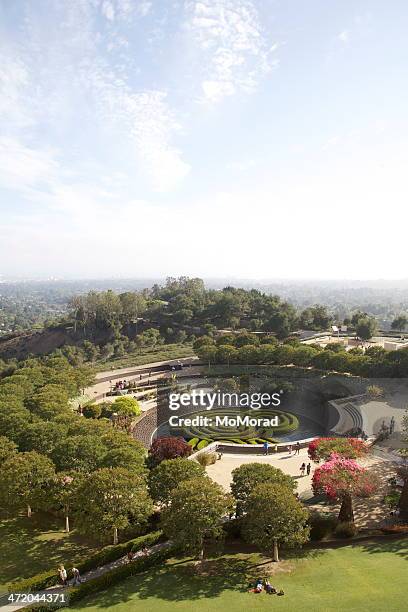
x: 146, y: 355
x: 352, y: 578
x: 32, y: 545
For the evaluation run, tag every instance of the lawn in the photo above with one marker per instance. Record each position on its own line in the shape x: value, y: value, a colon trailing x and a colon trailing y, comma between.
x: 29, y: 546
x: 368, y: 577
x: 146, y: 355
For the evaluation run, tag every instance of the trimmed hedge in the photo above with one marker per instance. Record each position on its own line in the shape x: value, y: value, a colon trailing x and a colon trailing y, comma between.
x: 36, y: 583
x: 111, y: 578
x: 107, y: 554
x: 111, y: 553
x: 202, y: 444
x: 193, y: 442
x: 119, y: 573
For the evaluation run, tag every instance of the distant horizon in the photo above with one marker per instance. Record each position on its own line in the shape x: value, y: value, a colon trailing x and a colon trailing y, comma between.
x: 209, y: 279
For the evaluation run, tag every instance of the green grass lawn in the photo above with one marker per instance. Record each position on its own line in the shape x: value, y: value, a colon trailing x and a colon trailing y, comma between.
x: 29, y: 546
x: 368, y: 578
x: 147, y: 355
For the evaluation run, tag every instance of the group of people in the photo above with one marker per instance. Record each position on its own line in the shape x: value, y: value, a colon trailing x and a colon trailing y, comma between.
x: 263, y: 584
x: 266, y: 447
x: 121, y: 385
x: 305, y: 468
x: 297, y: 449
x: 131, y: 555
x: 63, y: 576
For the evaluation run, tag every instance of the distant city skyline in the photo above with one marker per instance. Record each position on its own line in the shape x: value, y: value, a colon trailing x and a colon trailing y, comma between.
x: 244, y: 139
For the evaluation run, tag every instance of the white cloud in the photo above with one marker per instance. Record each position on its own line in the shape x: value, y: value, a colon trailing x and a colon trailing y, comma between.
x: 108, y: 10
x: 147, y: 121
x: 22, y: 168
x: 144, y: 8
x: 234, y: 51
x: 344, y: 36
x: 52, y: 81
x: 14, y: 79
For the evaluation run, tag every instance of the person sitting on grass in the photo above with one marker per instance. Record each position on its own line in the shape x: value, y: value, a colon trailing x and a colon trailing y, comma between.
x: 269, y: 588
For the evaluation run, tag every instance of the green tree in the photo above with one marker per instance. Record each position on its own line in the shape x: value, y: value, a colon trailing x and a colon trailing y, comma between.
x: 130, y: 457
x: 25, y: 479
x: 42, y: 436
x: 126, y: 406
x: 274, y: 517
x: 169, y: 474
x: 13, y: 420
x: 207, y: 353
x: 226, y: 353
x: 399, y: 323
x: 246, y: 477
x: 84, y: 453
x: 366, y: 327
x: 110, y: 499
x: 49, y: 401
x: 64, y: 492
x: 195, y: 513
x: 7, y: 449
x: 150, y: 338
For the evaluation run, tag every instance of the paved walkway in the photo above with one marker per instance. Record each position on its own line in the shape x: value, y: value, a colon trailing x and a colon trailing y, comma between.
x: 369, y: 512
x: 94, y: 573
x: 221, y: 470
x: 130, y: 374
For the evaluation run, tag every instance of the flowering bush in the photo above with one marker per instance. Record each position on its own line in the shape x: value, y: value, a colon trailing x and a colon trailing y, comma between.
x: 169, y: 447
x: 322, y: 448
x: 341, y: 478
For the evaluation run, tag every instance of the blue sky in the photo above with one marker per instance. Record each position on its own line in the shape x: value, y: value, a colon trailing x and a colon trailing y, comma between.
x: 239, y: 138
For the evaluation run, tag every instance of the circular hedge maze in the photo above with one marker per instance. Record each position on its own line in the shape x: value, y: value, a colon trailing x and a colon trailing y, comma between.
x: 200, y: 435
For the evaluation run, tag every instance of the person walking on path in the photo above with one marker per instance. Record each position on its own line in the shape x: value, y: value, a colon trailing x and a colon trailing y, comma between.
x: 392, y: 425
x: 302, y: 469
x: 297, y: 451
x: 77, y: 576
x: 62, y: 572
x: 308, y: 468
x: 290, y: 449
x: 266, y: 447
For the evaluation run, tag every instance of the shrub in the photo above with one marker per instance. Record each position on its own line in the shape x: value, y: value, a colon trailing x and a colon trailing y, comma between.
x: 193, y: 442
x: 374, y: 391
x: 345, y: 530
x: 169, y: 447
x: 92, y: 411
x: 111, y: 553
x: 35, y: 583
x: 202, y: 444
x: 207, y: 459
x: 126, y: 406
x: 392, y: 499
x: 321, y: 525
x: 322, y: 448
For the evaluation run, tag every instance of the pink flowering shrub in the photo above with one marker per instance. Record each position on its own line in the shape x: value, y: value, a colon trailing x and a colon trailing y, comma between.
x: 339, y: 476
x: 322, y: 448
x: 342, y: 479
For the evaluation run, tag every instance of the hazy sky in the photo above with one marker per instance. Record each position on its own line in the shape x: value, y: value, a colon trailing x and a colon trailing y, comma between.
x: 248, y: 138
